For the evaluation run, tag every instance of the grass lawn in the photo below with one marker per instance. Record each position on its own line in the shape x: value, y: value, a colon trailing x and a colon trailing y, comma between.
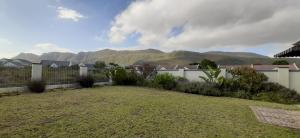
x: 132, y: 112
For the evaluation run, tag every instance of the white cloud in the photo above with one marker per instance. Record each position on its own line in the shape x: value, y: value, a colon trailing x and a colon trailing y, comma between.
x: 47, y: 47
x: 65, y: 13
x: 209, y: 23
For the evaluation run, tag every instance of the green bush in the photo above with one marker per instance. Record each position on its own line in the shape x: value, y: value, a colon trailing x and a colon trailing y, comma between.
x: 133, y: 79
x: 122, y: 77
x: 199, y: 88
x: 86, y: 81
x: 118, y: 75
x: 247, y: 79
x: 37, y: 86
x: 274, y: 92
x: 190, y: 87
x: 165, y: 81
x: 241, y: 94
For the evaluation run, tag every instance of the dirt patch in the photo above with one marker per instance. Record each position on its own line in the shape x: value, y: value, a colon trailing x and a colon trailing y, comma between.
x: 278, y: 117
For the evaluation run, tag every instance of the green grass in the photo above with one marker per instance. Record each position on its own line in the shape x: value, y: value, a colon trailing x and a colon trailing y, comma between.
x: 132, y: 112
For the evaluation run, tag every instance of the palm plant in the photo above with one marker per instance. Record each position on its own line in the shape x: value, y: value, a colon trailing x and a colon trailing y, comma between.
x: 213, y: 76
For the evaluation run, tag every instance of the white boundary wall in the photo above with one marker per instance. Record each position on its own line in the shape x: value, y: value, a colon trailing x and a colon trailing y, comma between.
x: 283, y: 76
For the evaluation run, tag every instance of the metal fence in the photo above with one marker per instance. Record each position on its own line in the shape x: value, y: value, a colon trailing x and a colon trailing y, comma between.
x: 18, y: 77
x: 14, y: 77
x: 61, y: 75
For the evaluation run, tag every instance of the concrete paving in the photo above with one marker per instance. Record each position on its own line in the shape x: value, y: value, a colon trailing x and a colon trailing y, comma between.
x: 277, y: 117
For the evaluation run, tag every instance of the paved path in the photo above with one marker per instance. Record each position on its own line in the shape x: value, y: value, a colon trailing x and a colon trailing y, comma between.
x: 278, y: 117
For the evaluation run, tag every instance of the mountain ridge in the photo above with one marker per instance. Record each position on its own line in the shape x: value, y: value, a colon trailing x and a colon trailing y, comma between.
x: 154, y: 56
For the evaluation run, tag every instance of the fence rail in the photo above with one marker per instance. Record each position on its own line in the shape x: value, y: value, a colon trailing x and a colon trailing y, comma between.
x: 63, y: 75
x: 14, y: 77
x: 19, y: 77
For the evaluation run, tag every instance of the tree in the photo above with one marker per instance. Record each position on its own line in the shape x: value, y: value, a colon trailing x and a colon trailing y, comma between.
x: 100, y: 65
x: 113, y: 64
x: 280, y: 62
x: 205, y: 63
x: 148, y: 69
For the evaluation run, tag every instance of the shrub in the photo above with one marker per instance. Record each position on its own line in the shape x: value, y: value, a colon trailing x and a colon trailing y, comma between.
x: 86, y: 81
x: 121, y: 77
x: 230, y: 85
x: 133, y: 79
x: 100, y: 65
x: 274, y: 92
x: 118, y: 75
x: 248, y: 79
x: 37, y: 86
x: 241, y: 94
x: 181, y: 80
x: 199, y: 88
x: 190, y: 87
x: 165, y: 81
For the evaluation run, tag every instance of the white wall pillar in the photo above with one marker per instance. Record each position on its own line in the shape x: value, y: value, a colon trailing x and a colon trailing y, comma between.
x: 223, y: 72
x: 283, y: 77
x: 83, y: 72
x: 36, y: 72
x: 181, y: 72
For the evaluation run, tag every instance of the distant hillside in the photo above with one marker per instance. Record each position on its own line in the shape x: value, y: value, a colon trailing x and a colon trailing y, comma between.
x: 28, y: 56
x: 128, y: 57
x: 237, y: 54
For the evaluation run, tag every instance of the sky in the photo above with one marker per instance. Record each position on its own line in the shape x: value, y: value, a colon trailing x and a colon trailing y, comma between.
x: 38, y: 26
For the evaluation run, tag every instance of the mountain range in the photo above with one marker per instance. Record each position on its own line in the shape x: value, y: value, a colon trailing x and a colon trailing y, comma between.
x: 129, y: 57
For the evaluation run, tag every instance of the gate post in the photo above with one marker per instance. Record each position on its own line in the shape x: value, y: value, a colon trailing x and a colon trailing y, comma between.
x: 36, y: 72
x: 83, y: 72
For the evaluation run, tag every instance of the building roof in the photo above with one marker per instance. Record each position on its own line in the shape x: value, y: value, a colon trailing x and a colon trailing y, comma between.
x: 89, y: 66
x: 15, y: 62
x: 58, y: 63
x: 291, y: 52
x: 263, y: 67
x: 176, y: 67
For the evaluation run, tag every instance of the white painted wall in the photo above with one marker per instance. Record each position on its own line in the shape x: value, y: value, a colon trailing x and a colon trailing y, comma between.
x: 272, y: 75
x: 283, y: 76
x: 173, y: 72
x: 295, y: 80
x: 194, y: 75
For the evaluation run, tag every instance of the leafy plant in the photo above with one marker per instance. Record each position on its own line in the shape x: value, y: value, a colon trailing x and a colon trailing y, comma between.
x: 37, y: 86
x: 274, y: 92
x: 198, y: 88
x: 213, y: 76
x: 248, y: 79
x: 121, y: 76
x: 100, y: 65
x: 165, y: 81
